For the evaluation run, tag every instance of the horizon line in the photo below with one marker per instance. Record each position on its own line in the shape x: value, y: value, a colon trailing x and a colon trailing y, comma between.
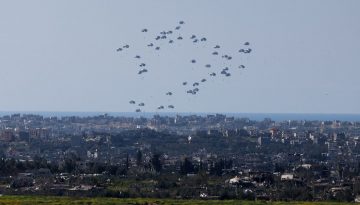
x: 183, y: 112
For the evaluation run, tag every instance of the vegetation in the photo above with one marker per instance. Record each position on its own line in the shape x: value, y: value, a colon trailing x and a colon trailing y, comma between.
x: 24, y: 200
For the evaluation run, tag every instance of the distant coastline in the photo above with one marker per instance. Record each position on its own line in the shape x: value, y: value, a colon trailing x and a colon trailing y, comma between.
x: 251, y: 116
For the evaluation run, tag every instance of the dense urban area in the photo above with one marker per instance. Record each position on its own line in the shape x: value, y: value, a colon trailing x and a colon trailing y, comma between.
x: 180, y: 157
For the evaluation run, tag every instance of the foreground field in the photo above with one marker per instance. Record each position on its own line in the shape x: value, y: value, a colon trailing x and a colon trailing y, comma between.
x: 29, y: 200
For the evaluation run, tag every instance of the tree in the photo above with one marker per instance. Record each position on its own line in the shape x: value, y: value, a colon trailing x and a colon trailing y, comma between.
x: 127, y: 162
x: 156, y: 163
x: 139, y: 158
x: 40, y: 162
x: 69, y: 165
x: 186, y: 167
x: 218, y: 166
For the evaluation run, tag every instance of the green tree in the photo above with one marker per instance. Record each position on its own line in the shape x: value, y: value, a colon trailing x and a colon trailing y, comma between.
x: 156, y: 162
x: 139, y: 157
x: 186, y: 167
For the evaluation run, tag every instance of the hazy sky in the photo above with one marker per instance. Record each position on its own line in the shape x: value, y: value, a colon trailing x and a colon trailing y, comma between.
x: 60, y: 55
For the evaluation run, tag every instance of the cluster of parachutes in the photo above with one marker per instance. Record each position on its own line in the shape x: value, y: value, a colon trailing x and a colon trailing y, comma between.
x: 170, y: 37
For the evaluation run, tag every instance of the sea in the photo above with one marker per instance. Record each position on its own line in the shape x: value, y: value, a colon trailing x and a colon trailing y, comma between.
x: 251, y: 116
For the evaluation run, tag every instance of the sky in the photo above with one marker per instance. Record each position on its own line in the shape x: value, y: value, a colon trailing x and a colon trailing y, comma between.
x: 60, y: 55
